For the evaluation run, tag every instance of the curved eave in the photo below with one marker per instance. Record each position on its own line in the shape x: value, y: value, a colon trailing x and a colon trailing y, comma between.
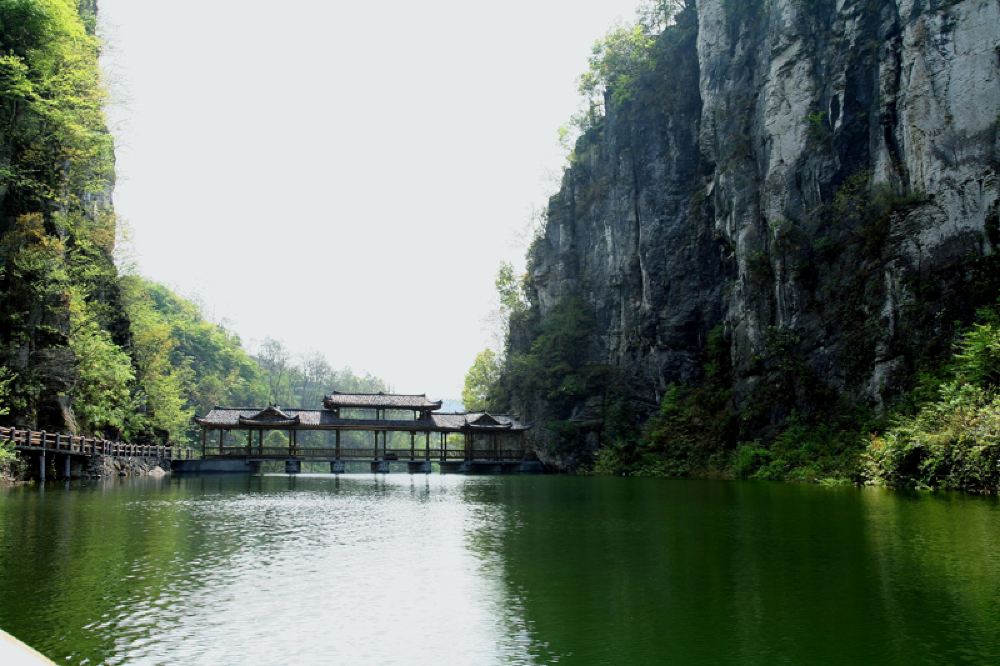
x: 272, y: 424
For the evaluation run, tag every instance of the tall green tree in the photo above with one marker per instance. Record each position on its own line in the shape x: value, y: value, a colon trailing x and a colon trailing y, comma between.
x: 481, y: 381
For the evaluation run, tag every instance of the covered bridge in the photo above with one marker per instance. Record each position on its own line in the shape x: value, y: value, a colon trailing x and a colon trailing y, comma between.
x: 433, y: 435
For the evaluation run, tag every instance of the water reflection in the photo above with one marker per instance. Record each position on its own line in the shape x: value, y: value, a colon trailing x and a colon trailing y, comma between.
x: 433, y: 569
x: 938, y: 575
x: 632, y: 571
x: 259, y: 570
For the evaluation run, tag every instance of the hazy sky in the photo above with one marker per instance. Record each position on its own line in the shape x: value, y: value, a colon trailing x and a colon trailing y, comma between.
x: 344, y: 176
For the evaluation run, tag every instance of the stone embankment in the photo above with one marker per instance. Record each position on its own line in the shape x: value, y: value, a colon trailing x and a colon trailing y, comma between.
x: 106, y: 467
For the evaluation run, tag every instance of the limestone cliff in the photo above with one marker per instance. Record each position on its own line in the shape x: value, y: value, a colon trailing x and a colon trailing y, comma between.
x: 817, y: 179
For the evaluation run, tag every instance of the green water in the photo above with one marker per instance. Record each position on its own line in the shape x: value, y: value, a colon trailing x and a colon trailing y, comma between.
x: 446, y: 569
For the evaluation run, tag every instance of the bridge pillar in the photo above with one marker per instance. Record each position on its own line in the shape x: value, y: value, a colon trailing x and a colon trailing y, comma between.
x: 420, y: 467
x: 67, y: 471
x: 380, y: 467
x: 41, y: 467
x: 293, y: 466
x: 337, y: 467
x: 254, y: 466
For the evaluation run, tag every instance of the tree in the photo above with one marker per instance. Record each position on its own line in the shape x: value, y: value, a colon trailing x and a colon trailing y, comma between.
x: 655, y: 15
x: 480, y: 381
x: 315, y: 373
x: 6, y: 378
x: 273, y: 359
x: 101, y: 396
x: 511, y: 301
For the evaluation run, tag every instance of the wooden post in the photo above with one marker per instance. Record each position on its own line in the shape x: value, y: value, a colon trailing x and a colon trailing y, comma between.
x: 41, y: 465
x: 260, y: 442
x: 338, y: 445
x: 427, y: 445
x: 249, y: 442
x: 204, y: 440
x: 413, y: 453
x: 375, y: 456
x: 443, y: 444
x: 222, y: 439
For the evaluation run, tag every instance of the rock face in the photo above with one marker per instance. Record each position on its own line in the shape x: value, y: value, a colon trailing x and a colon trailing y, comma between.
x: 107, y: 467
x: 817, y: 178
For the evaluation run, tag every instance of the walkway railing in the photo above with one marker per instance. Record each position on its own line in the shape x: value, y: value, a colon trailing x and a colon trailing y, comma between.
x: 54, y: 442
x: 417, y: 455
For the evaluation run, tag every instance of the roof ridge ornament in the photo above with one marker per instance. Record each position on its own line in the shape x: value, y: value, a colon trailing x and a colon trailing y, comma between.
x: 270, y: 415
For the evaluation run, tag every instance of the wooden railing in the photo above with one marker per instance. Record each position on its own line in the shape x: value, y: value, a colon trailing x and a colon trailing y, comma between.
x: 418, y: 455
x: 27, y: 440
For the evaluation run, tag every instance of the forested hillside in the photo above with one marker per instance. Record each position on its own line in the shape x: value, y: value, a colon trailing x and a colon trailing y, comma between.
x: 776, y: 234
x: 185, y: 365
x: 83, y: 349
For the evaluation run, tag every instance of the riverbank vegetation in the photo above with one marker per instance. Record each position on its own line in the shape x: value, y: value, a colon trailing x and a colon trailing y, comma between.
x: 942, y: 434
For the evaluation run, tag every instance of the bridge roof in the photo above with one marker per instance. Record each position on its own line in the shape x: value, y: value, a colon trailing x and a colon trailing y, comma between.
x: 325, y: 419
x: 380, y: 401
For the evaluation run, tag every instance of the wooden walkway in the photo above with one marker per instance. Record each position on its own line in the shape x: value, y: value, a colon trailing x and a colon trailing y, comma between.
x: 42, y: 444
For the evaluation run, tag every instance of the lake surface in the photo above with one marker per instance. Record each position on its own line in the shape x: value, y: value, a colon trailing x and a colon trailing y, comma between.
x: 516, y: 570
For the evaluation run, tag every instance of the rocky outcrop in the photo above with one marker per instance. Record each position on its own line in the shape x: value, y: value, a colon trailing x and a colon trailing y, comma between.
x: 818, y: 179
x: 107, y: 467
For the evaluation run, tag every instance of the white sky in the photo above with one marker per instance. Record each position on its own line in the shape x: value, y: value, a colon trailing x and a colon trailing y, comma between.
x: 344, y: 176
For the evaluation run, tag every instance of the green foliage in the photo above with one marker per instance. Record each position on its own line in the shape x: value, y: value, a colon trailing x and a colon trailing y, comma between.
x: 819, y: 128
x: 481, y: 381
x: 617, y: 62
x: 622, y: 59
x: 952, y: 440
x: 759, y: 268
x: 553, y: 368
x: 692, y: 429
x: 7, y: 454
x: 184, y: 363
x: 104, y: 373
x: 58, y: 286
x: 6, y: 378
x: 159, y: 390
x: 951, y: 443
x: 51, y: 106
x: 510, y: 289
x: 303, y: 384
x: 977, y: 356
x: 806, y: 449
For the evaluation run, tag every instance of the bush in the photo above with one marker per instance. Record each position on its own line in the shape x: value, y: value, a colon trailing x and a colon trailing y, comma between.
x: 951, y: 441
